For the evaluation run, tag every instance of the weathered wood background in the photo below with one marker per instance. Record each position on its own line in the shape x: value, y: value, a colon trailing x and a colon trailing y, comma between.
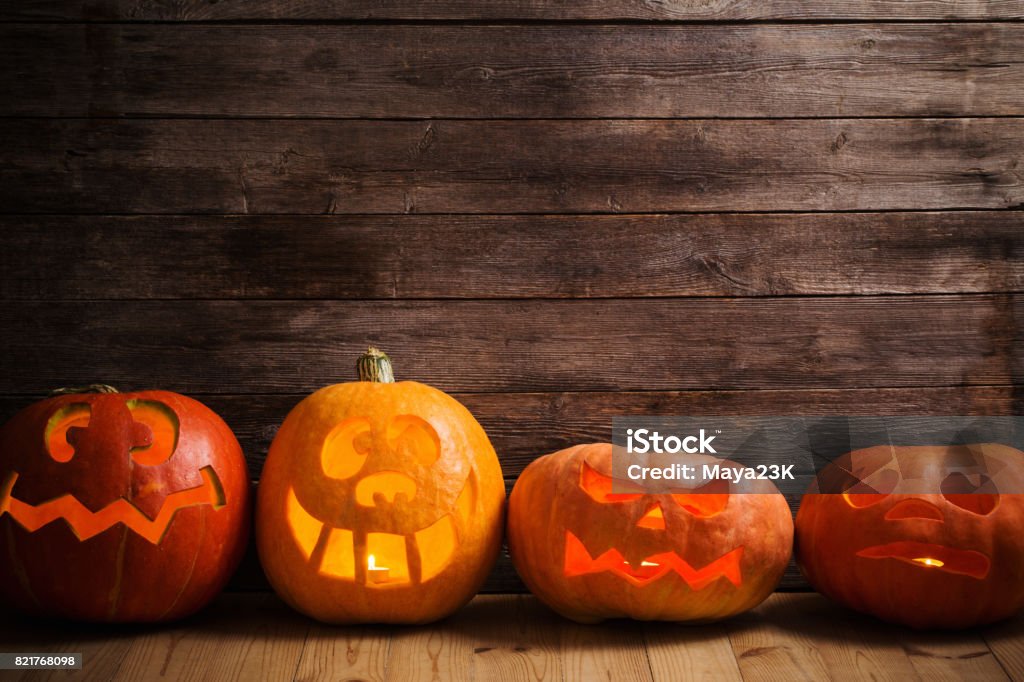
x: 559, y: 212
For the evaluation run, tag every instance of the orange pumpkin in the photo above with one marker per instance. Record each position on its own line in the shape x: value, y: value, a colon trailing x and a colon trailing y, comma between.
x: 380, y: 502
x: 591, y: 554
x: 119, y: 506
x: 925, y: 536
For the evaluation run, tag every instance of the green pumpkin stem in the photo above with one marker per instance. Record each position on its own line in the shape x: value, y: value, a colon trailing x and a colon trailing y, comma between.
x: 91, y: 388
x: 375, y: 365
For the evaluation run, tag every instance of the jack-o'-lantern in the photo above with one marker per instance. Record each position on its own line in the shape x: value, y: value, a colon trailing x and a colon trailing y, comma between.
x: 591, y: 552
x: 119, y: 507
x: 380, y: 502
x: 925, y: 536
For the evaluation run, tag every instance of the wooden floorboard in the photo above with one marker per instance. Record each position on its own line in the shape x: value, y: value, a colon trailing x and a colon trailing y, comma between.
x: 1006, y: 641
x: 514, y: 637
x: 242, y: 637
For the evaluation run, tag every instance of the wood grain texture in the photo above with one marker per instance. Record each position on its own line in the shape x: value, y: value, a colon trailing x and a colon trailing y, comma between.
x: 121, y: 257
x: 682, y: 652
x: 532, y: 71
x: 816, y: 640
x: 653, y: 10
x: 951, y: 656
x: 348, y: 654
x: 239, y: 637
x: 507, y: 637
x: 217, y: 166
x: 516, y: 638
x: 511, y: 346
x: 429, y: 654
x: 1006, y: 641
x: 524, y: 426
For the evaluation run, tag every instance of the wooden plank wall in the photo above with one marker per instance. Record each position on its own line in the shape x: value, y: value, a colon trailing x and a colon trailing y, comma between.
x: 559, y: 212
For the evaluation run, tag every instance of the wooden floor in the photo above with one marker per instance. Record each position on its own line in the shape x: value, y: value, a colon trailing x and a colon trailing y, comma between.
x: 513, y: 637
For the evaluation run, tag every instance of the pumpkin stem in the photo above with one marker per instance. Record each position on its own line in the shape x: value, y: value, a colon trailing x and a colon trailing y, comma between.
x: 91, y: 388
x: 375, y: 365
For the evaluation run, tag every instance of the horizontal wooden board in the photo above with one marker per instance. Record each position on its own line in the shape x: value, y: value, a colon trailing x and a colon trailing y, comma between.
x: 518, y: 346
x: 654, y: 10
x: 524, y: 426
x: 118, y: 257
x: 302, y: 167
x: 527, y: 71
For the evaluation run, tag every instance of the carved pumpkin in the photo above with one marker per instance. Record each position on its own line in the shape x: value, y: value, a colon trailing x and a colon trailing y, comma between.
x: 380, y: 502
x: 592, y: 554
x: 925, y: 536
x: 119, y: 507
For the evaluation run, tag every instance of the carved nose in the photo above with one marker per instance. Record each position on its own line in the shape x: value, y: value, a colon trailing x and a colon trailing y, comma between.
x: 914, y: 509
x: 384, y: 487
x: 654, y: 519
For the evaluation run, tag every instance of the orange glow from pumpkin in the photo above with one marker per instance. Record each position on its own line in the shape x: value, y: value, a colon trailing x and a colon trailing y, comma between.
x: 599, y: 486
x: 947, y: 559
x: 387, y: 550
x: 436, y: 545
x: 704, y: 505
x: 387, y: 485
x: 346, y: 448
x: 653, y: 519
x: 412, y: 435
x: 76, y: 415
x: 163, y: 423
x: 86, y: 524
x: 578, y: 561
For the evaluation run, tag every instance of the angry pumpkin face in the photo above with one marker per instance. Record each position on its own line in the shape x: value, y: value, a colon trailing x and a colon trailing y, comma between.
x: 379, y: 502
x: 591, y: 552
x: 119, y: 507
x: 885, y: 529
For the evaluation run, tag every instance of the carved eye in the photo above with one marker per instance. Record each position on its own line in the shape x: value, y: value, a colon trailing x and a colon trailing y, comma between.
x: 976, y: 493
x: 864, y: 494
x: 414, y: 438
x: 345, y: 450
x: 707, y: 501
x: 599, y: 487
x: 164, y: 426
x: 56, y: 434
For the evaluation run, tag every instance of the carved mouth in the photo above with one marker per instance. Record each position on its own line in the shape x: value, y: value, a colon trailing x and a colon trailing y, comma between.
x: 377, y: 560
x: 85, y: 523
x: 578, y: 561
x: 927, y: 556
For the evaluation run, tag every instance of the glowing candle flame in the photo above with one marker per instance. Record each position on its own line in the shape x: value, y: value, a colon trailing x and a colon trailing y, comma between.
x: 928, y: 561
x: 371, y: 564
x: 649, y: 563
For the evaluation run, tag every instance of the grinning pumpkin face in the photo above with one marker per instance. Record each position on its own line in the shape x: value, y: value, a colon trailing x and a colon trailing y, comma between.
x: 372, y: 468
x: 591, y: 553
x: 119, y: 507
x: 379, y: 502
x: 900, y: 525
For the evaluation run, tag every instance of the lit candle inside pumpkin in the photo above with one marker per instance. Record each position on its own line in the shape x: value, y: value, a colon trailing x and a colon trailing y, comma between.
x: 928, y: 561
x: 376, y: 574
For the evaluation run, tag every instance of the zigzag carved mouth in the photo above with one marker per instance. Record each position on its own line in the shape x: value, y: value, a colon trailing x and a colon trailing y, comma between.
x: 85, y: 523
x: 578, y: 561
